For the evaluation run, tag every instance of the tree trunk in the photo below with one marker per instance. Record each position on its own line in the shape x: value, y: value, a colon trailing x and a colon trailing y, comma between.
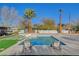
x: 29, y: 26
x: 60, y: 25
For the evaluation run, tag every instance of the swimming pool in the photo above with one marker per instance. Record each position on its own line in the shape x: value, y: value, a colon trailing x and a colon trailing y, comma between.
x: 43, y: 40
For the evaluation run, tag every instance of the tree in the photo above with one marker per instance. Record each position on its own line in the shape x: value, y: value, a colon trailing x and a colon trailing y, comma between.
x: 60, y: 19
x: 76, y: 27
x: 5, y: 15
x: 49, y: 24
x: 22, y: 24
x: 8, y: 15
x: 29, y: 14
x: 13, y: 16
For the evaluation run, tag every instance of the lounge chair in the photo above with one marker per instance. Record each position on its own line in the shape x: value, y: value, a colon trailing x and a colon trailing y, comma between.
x: 56, y: 45
x: 1, y: 49
x: 27, y: 46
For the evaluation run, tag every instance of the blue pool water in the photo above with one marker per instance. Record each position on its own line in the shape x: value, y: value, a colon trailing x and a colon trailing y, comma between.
x: 43, y: 40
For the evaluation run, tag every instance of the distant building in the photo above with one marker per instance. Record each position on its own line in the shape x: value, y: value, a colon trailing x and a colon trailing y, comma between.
x: 3, y: 30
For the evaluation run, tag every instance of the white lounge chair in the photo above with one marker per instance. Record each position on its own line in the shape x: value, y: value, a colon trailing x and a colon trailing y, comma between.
x: 27, y: 46
x: 1, y: 49
x: 56, y: 45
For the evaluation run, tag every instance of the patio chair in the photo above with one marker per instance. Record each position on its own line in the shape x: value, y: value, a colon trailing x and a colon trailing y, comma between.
x: 56, y: 45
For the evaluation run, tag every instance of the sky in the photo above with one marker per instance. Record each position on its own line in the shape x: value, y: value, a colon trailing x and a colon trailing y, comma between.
x: 47, y: 10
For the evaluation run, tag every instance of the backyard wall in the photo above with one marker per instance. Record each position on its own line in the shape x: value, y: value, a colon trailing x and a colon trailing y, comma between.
x: 50, y: 31
x: 65, y: 31
x: 46, y: 31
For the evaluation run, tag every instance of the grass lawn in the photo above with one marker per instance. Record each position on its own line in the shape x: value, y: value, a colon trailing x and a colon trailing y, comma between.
x: 8, y: 41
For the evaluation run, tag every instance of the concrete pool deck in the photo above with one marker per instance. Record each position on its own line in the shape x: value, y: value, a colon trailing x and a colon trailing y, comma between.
x: 71, y: 48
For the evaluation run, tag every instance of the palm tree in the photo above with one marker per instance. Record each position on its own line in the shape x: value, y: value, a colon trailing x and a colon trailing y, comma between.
x: 29, y: 14
x: 60, y: 24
